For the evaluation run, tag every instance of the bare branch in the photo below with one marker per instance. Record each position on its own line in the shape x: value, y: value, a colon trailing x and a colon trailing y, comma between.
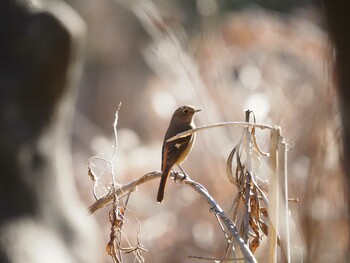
x: 230, y: 226
x: 129, y: 187
x: 222, y: 124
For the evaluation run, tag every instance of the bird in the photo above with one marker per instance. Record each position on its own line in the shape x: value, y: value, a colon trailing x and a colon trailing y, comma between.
x: 177, y: 151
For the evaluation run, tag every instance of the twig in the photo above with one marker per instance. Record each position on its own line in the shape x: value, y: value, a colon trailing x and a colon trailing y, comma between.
x: 222, y: 124
x: 129, y: 187
x: 230, y: 226
x: 116, y: 142
x: 273, y: 197
x: 215, y: 259
x: 284, y: 223
x: 229, y: 240
x: 108, y: 162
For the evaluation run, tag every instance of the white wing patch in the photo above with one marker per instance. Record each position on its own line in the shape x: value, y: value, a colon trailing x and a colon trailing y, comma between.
x: 177, y: 145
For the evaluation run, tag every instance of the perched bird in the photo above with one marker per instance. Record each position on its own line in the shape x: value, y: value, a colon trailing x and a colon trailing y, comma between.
x: 177, y: 151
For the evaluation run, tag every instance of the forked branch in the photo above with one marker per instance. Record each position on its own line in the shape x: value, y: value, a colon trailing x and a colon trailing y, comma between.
x: 214, y: 207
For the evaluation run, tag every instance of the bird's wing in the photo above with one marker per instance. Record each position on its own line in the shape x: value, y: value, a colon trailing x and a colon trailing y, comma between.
x: 173, y: 150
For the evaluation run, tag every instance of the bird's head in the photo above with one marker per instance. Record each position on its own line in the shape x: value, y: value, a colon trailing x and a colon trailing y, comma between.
x: 185, y: 114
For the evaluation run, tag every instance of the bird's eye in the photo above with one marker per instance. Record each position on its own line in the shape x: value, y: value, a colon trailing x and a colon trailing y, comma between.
x: 186, y: 111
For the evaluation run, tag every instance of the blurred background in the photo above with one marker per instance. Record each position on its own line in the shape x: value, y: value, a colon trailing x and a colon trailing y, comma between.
x: 223, y: 57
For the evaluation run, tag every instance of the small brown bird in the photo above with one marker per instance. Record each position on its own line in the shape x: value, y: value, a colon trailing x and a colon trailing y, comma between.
x: 177, y: 151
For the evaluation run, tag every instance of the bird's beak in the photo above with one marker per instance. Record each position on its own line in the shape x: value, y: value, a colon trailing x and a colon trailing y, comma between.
x: 198, y: 110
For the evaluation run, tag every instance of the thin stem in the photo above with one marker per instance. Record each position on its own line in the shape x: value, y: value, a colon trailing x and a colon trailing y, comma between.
x: 116, y: 142
x: 222, y: 124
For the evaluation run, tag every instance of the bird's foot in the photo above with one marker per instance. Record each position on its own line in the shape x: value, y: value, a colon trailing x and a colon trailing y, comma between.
x: 179, y: 176
x: 184, y: 176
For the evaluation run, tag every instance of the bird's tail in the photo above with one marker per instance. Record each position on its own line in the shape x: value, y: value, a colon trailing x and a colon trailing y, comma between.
x: 163, y: 181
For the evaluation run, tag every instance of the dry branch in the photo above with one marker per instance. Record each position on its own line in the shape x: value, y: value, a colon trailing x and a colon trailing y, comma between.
x: 129, y: 187
x: 230, y: 226
x: 124, y: 189
x: 273, y: 197
x: 222, y: 124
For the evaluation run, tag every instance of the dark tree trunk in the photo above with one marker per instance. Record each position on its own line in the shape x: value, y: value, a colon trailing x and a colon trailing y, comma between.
x: 338, y: 18
x: 41, y: 218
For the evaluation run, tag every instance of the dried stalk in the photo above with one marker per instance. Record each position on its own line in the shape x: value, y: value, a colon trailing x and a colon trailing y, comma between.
x: 222, y: 124
x: 273, y: 197
x: 284, y: 224
x: 249, y: 192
